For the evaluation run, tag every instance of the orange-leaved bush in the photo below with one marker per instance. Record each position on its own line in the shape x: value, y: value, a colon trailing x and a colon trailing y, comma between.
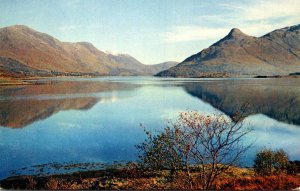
x: 196, y: 142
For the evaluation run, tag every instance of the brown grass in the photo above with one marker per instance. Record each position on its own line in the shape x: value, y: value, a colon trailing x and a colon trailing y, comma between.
x: 235, y: 179
x: 275, y: 182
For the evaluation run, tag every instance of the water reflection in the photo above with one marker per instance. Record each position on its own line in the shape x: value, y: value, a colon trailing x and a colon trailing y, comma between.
x: 273, y: 134
x: 102, y: 120
x: 276, y: 98
x: 23, y: 105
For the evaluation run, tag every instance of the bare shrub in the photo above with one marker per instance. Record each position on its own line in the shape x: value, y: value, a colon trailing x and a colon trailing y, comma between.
x: 206, y: 144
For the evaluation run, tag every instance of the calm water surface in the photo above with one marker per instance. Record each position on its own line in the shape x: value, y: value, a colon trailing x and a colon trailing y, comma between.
x: 97, y: 120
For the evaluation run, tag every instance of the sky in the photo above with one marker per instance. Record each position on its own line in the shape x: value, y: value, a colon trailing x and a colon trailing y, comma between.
x: 152, y: 31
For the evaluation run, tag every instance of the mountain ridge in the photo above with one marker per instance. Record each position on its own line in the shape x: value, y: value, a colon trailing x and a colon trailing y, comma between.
x: 23, y: 48
x: 238, y: 54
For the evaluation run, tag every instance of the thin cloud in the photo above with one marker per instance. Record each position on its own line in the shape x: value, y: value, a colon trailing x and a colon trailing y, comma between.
x: 268, y: 10
x: 255, y: 19
x: 191, y: 33
x: 263, y: 16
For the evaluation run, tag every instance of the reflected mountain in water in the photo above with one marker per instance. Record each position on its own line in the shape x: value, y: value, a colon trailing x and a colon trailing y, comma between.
x: 276, y: 98
x: 23, y: 105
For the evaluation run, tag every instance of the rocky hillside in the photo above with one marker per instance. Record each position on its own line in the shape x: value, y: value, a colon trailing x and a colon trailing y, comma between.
x: 238, y: 54
x: 26, y: 52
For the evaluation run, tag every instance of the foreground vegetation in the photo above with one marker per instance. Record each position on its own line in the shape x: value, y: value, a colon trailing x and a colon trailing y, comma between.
x: 196, y: 142
x: 131, y: 177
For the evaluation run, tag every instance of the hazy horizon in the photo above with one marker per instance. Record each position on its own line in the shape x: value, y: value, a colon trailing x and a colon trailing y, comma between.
x: 151, y: 31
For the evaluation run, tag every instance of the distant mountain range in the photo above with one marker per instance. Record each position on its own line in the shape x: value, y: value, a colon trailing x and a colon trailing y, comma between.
x: 237, y: 54
x: 26, y: 52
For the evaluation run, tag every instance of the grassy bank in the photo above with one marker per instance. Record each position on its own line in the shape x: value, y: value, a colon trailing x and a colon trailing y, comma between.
x: 133, y: 178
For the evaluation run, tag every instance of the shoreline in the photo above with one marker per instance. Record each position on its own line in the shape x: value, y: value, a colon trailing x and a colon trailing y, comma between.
x: 9, y: 81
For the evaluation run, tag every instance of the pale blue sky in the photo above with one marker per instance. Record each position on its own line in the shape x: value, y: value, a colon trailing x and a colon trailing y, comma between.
x: 152, y: 31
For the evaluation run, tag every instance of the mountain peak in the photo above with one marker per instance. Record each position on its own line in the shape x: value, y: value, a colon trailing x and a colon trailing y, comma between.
x: 236, y: 33
x: 17, y: 28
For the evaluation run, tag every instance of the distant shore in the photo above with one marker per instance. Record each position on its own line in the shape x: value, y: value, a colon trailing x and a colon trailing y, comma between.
x: 9, y: 80
x: 6, y: 81
x: 292, y: 75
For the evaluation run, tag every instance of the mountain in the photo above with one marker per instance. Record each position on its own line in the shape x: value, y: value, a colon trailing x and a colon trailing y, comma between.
x: 26, y: 52
x: 238, y: 54
x: 154, y: 69
x: 132, y: 64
